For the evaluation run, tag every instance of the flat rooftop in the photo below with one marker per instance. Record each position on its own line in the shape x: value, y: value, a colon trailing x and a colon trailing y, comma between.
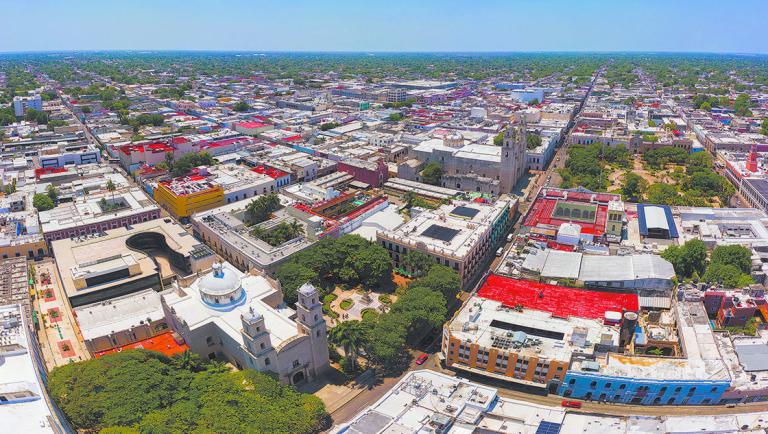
x: 491, y: 324
x: 451, y: 230
x: 73, y: 255
x: 560, y: 301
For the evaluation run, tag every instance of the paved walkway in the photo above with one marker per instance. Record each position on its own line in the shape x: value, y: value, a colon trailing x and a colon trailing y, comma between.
x: 361, y: 303
x: 59, y: 335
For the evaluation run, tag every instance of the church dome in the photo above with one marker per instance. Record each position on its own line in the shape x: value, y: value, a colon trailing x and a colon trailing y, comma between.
x: 454, y: 140
x: 221, y: 288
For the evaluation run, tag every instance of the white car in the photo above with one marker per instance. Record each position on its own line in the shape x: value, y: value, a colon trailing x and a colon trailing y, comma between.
x: 500, y: 251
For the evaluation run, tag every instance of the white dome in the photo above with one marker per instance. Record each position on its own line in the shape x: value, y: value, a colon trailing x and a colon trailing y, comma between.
x: 221, y: 287
x: 220, y: 281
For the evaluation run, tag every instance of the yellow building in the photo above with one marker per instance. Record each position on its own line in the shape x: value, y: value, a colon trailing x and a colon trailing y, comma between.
x: 187, y: 195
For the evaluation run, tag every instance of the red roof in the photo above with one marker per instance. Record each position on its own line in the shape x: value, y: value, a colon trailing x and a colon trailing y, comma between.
x: 270, y: 171
x: 162, y: 343
x: 40, y: 171
x: 253, y: 125
x: 561, y: 301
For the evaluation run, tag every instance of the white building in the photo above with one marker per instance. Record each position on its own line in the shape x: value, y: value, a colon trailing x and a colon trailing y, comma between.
x: 22, y: 103
x: 228, y: 315
x: 23, y: 406
x: 63, y: 154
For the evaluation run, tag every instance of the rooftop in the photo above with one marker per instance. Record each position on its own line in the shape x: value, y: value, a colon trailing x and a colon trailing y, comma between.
x: 560, y: 301
x: 451, y: 230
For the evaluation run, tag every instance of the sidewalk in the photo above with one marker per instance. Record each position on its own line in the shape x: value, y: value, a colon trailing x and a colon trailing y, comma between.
x: 58, y: 333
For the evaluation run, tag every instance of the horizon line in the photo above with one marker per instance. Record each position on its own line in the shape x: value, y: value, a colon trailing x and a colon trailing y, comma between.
x: 192, y: 50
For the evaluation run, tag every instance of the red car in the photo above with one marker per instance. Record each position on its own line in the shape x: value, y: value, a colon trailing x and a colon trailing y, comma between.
x: 572, y: 404
x: 422, y: 358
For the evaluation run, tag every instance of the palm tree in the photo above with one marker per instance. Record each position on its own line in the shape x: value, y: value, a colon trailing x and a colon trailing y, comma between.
x: 111, y: 187
x: 296, y: 229
x: 408, y: 198
x: 350, y: 335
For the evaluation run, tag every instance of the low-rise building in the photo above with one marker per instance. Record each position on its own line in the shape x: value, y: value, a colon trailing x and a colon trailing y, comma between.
x: 460, y: 235
x: 140, y: 256
x: 25, y: 405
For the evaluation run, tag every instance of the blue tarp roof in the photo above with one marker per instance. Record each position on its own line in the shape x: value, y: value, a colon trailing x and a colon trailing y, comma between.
x: 644, y: 220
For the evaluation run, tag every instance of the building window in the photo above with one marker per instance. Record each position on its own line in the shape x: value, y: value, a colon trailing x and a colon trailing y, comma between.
x: 266, y: 361
x: 261, y: 345
x: 296, y: 363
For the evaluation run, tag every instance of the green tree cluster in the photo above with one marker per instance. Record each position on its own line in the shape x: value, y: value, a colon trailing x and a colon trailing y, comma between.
x: 279, y: 234
x: 689, y: 259
x: 241, y: 106
x: 260, y: 208
x: 730, y: 265
x: 145, y: 391
x: 588, y: 165
x: 742, y: 104
x: 187, y: 162
x: 432, y: 173
x: 422, y: 307
x: 42, y: 202
x: 348, y: 260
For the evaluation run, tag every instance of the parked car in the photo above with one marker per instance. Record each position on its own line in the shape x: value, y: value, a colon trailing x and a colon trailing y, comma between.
x: 500, y: 251
x: 571, y: 404
x: 421, y: 359
x: 509, y: 238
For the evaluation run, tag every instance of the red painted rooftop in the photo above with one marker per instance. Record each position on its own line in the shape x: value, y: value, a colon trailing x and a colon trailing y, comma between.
x: 270, y: 171
x: 254, y: 124
x: 162, y: 343
x: 560, y: 301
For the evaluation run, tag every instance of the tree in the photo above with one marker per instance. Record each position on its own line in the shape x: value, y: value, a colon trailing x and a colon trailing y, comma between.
x: 651, y: 123
x: 432, y: 173
x: 687, y: 259
x: 726, y: 274
x: 534, y: 101
x: 498, y: 139
x: 169, y: 160
x: 764, y: 127
x: 385, y: 340
x: 634, y: 187
x: 328, y: 126
x: 742, y: 104
x: 442, y: 279
x: 259, y: 209
x: 292, y: 276
x: 372, y: 265
x: 42, y: 202
x: 736, y: 255
x: 706, y: 106
x: 187, y: 162
x: 662, y: 194
x: 52, y: 192
x: 421, y: 309
x: 351, y: 336
x: 396, y: 117
x: 241, y: 106
x: 153, y: 393
x: 111, y: 188
x: 418, y: 263
x: 533, y: 141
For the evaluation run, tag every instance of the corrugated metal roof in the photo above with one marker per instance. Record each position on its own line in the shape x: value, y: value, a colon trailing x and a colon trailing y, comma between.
x: 655, y: 302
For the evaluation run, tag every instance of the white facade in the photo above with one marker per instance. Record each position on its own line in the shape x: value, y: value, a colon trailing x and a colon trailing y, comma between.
x: 241, y: 318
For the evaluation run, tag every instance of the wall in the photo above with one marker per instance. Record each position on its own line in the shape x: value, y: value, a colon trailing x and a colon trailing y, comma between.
x: 589, y: 386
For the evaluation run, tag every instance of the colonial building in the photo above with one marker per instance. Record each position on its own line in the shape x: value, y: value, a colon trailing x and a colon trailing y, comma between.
x: 241, y: 318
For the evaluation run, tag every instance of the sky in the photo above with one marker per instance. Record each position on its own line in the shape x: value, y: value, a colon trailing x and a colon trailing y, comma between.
x: 735, y: 26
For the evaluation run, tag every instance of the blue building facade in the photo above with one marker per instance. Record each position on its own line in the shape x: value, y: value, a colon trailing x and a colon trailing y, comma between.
x: 596, y: 387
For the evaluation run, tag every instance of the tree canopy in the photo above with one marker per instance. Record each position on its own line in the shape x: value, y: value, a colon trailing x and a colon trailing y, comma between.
x: 187, y: 162
x: 432, y: 173
x: 42, y: 202
x: 146, y: 391
x: 687, y: 259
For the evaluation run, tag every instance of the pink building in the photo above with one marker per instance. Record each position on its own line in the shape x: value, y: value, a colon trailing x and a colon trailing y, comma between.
x: 374, y: 174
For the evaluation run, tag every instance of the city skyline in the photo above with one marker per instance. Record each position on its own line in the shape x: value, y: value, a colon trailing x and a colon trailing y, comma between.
x: 521, y: 26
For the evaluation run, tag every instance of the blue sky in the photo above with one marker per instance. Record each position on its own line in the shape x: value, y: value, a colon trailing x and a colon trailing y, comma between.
x: 390, y: 25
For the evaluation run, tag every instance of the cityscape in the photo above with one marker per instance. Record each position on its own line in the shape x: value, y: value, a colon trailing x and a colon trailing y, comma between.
x: 337, y: 240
